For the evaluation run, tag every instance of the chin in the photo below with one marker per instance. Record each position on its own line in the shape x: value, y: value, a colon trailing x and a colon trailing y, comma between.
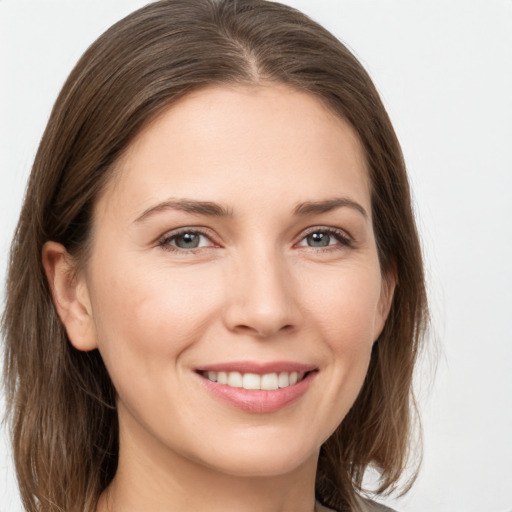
x: 261, y: 459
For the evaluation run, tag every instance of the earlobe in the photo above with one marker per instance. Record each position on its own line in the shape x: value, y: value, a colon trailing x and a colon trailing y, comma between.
x: 70, y: 296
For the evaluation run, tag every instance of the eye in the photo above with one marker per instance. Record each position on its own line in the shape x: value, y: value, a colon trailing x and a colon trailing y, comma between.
x: 186, y: 239
x: 323, y: 238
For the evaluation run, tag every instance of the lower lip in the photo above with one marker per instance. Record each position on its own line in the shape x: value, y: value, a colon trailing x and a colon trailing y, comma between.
x: 259, y: 401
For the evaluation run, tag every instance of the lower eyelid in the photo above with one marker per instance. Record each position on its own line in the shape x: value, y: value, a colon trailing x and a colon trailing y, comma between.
x: 341, y: 236
x: 166, y: 240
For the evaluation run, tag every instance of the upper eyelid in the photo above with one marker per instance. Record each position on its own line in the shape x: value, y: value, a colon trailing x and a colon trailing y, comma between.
x: 343, y: 238
x: 211, y: 235
x: 329, y: 229
x: 326, y: 229
x: 168, y: 235
x: 187, y: 229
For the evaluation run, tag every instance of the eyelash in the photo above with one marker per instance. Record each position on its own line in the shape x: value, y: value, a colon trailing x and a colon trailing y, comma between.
x: 341, y: 236
x: 165, y: 241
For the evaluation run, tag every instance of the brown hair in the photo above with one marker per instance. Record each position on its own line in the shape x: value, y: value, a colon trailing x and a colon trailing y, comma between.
x: 61, y: 401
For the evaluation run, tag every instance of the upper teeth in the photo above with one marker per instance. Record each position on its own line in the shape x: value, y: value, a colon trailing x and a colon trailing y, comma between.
x: 267, y: 381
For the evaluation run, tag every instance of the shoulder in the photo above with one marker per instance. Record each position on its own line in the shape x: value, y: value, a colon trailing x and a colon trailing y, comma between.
x: 365, y: 505
x: 372, y: 506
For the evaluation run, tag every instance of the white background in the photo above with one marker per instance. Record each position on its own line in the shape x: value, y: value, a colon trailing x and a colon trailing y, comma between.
x: 444, y: 69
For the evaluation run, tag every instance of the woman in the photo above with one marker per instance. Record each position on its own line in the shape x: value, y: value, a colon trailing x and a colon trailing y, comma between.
x: 216, y: 297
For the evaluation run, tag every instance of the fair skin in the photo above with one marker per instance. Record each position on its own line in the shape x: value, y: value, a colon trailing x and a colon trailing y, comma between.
x: 235, y: 237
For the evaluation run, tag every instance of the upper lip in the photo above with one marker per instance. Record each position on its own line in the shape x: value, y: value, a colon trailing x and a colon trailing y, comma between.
x: 259, y: 368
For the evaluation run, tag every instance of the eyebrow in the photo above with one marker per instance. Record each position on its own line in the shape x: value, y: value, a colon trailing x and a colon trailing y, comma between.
x: 316, y: 207
x: 187, y: 205
x: 212, y: 209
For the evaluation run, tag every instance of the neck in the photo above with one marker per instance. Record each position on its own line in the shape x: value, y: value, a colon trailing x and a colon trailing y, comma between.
x: 150, y: 477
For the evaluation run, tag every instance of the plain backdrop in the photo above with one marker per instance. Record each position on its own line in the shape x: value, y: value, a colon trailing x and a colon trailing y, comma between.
x: 444, y: 70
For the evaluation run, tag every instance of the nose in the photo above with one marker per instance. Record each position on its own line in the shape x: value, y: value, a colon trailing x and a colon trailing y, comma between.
x: 262, y: 301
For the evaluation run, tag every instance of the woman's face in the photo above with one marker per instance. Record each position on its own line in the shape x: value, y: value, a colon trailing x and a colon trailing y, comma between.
x: 234, y: 247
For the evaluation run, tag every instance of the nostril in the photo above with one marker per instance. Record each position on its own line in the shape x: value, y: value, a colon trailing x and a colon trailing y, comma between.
x: 263, y: 331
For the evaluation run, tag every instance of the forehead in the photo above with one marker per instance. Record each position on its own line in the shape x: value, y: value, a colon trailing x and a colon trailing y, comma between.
x: 240, y: 140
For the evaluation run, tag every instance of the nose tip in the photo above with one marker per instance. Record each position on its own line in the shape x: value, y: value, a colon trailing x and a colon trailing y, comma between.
x: 262, y: 302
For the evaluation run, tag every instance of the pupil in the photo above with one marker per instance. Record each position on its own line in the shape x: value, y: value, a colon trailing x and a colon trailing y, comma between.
x: 188, y: 241
x: 318, y: 240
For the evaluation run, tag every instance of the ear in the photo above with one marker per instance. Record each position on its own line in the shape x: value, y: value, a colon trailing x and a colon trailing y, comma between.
x: 70, y: 296
x: 389, y: 282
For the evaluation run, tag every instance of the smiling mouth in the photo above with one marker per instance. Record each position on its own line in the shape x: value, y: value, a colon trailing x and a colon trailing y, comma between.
x: 255, y: 387
x: 254, y: 381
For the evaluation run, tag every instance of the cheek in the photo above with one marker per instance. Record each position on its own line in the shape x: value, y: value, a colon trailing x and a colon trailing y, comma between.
x: 346, y: 312
x: 346, y: 305
x: 145, y: 317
